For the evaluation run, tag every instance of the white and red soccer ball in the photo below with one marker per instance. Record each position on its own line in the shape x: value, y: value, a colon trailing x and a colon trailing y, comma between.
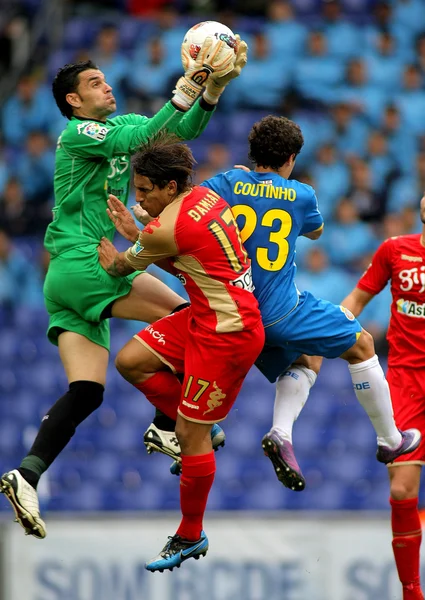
x: 197, y: 34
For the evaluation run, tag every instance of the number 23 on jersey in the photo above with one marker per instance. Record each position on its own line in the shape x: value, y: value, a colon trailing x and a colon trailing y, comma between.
x: 277, y: 238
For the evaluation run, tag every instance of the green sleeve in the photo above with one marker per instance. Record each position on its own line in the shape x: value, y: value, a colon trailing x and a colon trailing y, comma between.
x: 124, y: 134
x: 193, y: 122
x: 190, y: 126
x: 90, y: 139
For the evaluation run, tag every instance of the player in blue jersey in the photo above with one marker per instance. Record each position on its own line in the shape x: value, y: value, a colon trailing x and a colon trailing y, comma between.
x: 272, y: 211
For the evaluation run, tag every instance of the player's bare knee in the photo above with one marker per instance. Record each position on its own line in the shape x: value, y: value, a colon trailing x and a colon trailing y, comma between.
x: 313, y: 363
x: 402, y: 490
x: 362, y: 350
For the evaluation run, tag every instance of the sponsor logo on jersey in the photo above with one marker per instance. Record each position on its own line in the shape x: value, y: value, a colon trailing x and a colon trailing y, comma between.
x: 194, y: 406
x: 347, y: 313
x: 215, y: 400
x: 137, y: 248
x: 411, y: 258
x: 411, y: 308
x: 244, y: 281
x: 410, y: 277
x: 156, y: 335
x: 94, y: 131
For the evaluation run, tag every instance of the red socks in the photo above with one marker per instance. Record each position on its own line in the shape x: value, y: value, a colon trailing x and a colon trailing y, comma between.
x: 195, y: 483
x: 163, y: 390
x: 407, y: 537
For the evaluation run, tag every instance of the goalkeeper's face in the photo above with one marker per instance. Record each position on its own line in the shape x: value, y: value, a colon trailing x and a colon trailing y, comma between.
x: 93, y: 98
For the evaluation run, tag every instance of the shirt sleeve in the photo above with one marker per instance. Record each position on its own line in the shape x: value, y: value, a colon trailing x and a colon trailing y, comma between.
x: 221, y: 185
x: 378, y: 273
x: 313, y: 219
x: 92, y: 139
x: 154, y: 243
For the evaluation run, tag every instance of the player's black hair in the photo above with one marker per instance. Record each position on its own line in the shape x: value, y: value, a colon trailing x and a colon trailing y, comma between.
x: 66, y: 82
x: 273, y: 140
x: 163, y: 159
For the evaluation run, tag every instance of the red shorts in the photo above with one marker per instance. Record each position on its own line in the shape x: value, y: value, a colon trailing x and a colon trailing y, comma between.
x: 407, y: 388
x: 214, y: 364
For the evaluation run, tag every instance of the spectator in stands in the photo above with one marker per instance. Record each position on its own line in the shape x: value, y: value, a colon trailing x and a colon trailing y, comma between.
x: 319, y: 277
x: 411, y: 100
x: 318, y: 72
x: 29, y: 108
x: 332, y: 178
x: 14, y: 273
x: 404, y: 191
x: 369, y: 203
x: 3, y: 169
x: 35, y: 169
x: 107, y: 56
x: 336, y: 28
x: 385, y: 63
x: 384, y: 21
x: 152, y: 77
x: 367, y: 99
x: 402, y: 148
x: 17, y: 218
x: 347, y: 238
x: 14, y: 42
x: 381, y: 163
x: 349, y: 131
x: 262, y: 63
x: 286, y: 35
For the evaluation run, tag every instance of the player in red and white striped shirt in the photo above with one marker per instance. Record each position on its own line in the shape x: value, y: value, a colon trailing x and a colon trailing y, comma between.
x: 401, y: 260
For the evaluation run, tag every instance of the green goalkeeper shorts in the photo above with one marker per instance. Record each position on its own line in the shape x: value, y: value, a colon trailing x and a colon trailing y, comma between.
x: 76, y: 291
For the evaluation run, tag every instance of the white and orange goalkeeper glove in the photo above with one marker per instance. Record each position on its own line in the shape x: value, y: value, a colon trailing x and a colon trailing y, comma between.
x: 210, y: 60
x: 217, y: 82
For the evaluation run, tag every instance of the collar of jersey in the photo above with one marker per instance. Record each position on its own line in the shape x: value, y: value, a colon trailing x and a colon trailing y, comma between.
x: 87, y: 119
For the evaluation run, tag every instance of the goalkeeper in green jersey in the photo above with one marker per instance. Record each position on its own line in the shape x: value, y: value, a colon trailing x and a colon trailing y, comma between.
x: 93, y: 161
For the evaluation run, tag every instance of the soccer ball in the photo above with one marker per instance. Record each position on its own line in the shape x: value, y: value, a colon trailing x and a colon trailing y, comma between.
x: 197, y: 34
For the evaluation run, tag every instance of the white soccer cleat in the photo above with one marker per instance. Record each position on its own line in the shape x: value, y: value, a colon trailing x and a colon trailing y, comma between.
x: 157, y: 440
x: 24, y: 500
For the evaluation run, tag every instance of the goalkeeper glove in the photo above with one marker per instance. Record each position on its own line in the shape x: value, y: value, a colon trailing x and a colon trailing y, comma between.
x: 209, y: 60
x: 217, y: 82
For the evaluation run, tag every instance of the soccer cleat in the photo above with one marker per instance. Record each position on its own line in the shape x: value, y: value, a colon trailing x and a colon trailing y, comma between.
x: 285, y: 464
x: 24, y: 500
x: 176, y: 551
x: 218, y: 438
x: 158, y: 440
x: 411, y: 438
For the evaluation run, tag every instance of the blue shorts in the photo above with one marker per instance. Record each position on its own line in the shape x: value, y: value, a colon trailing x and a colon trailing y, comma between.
x: 314, y: 327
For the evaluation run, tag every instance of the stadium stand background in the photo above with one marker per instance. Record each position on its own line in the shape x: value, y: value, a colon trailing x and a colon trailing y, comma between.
x: 352, y: 75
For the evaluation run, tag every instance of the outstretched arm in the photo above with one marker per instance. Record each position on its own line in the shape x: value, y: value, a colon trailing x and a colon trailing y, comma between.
x: 357, y: 300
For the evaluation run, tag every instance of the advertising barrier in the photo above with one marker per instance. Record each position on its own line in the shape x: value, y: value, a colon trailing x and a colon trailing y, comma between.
x: 250, y: 558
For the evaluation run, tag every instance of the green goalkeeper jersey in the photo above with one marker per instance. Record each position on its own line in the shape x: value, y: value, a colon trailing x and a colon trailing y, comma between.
x: 93, y: 160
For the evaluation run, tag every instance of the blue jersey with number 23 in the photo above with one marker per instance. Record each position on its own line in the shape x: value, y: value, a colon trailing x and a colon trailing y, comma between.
x: 271, y: 213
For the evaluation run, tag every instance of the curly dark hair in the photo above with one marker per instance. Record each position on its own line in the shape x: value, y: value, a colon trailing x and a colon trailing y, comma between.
x: 163, y: 159
x: 66, y: 82
x: 273, y: 140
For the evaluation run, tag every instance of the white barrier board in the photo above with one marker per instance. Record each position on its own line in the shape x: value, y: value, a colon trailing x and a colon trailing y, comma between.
x: 249, y: 559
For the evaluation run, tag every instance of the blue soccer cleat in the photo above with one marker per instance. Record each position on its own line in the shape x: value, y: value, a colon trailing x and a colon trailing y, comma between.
x: 176, y: 551
x: 218, y: 438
